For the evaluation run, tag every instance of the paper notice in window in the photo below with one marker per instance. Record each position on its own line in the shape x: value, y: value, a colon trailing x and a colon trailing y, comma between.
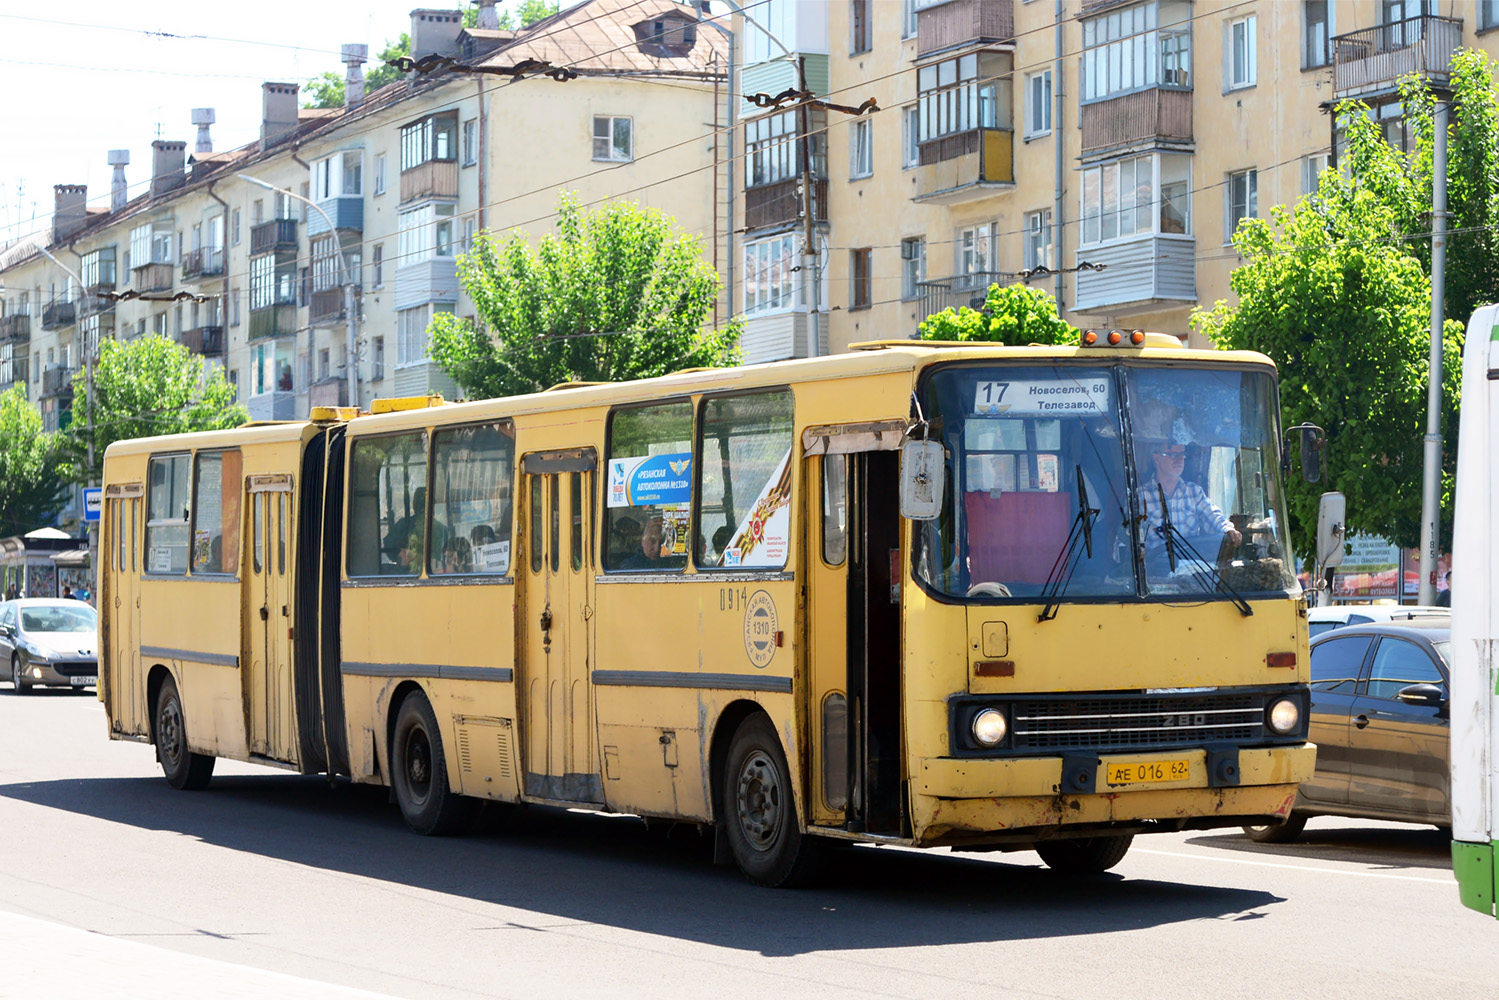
x: 1046, y: 473
x: 492, y: 558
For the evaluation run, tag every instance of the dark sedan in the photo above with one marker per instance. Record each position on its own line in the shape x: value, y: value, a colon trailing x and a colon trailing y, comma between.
x: 49, y: 641
x: 1379, y: 719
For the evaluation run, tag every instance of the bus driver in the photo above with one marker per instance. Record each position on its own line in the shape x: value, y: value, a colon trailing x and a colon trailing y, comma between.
x: 1191, y: 510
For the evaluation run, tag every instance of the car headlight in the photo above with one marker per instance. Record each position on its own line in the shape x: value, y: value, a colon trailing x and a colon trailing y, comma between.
x: 1283, y: 716
x: 990, y: 727
x: 37, y: 654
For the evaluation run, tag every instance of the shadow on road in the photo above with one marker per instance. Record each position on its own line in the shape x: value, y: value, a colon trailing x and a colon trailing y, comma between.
x: 614, y: 871
x: 1386, y: 848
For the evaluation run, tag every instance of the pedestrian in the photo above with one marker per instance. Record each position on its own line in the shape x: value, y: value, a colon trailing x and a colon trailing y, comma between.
x: 1444, y: 597
x: 67, y: 592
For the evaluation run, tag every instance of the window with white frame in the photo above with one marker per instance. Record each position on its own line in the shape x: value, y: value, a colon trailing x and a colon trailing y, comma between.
x: 322, y: 178
x: 769, y: 282
x: 377, y: 359
x: 234, y: 226
x: 613, y: 139
x: 270, y: 367
x: 773, y: 152
x: 352, y: 180
x: 151, y: 245
x: 423, y: 233
x: 380, y: 174
x: 912, y: 266
x: 953, y: 99
x: 1242, y: 60
x: 432, y: 138
x: 1311, y: 171
x: 1243, y: 199
x: 471, y: 142
x: 377, y: 265
x: 1136, y: 196
x: 1147, y: 45
x: 861, y: 149
x: 908, y: 18
x: 273, y: 281
x: 1038, y: 104
x: 411, y: 332
x: 974, y: 247
x: 772, y: 18
x: 1038, y: 246
x: 910, y: 128
x: 1316, y: 33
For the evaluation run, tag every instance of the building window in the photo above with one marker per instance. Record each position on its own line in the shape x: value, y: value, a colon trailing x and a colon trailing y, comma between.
x: 1038, y: 104
x: 234, y: 306
x: 377, y: 359
x: 379, y: 174
x: 1120, y: 198
x: 912, y: 266
x: 411, y: 333
x: 1488, y: 14
x: 377, y: 265
x: 233, y: 227
x: 257, y: 211
x: 773, y: 151
x: 1315, y: 34
x: 861, y: 149
x: 322, y: 364
x: 1143, y: 46
x: 768, y: 279
x: 908, y: 17
x: 1243, y: 199
x: 322, y: 179
x: 953, y: 99
x: 859, y: 14
x: 432, y: 138
x: 778, y: 18
x: 424, y: 233
x: 859, y: 279
x: 613, y: 139
x: 1038, y: 252
x: 910, y: 128
x: 1242, y: 60
x: 471, y: 142
x: 1311, y: 172
x: 973, y: 250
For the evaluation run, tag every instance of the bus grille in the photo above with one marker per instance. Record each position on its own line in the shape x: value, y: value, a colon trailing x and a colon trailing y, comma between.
x: 1138, y: 723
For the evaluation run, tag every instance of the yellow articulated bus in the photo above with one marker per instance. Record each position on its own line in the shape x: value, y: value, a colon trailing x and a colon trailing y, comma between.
x: 925, y: 594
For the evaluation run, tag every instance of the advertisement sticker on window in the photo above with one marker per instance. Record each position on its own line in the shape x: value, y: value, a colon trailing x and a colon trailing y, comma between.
x: 650, y: 480
x: 763, y: 537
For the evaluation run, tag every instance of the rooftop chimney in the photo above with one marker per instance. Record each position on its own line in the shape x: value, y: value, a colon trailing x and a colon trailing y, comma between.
x: 70, y: 209
x: 489, y: 18
x: 435, y: 33
x: 354, y: 57
x: 168, y: 166
x: 119, y: 191
x: 278, y: 112
x: 203, y: 117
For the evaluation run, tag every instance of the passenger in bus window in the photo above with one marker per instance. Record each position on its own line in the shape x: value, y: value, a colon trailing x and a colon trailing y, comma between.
x: 1192, y: 512
x: 405, y: 534
x: 649, y: 556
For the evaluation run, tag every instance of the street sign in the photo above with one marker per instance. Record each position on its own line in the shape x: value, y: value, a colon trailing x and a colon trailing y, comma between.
x: 93, y: 502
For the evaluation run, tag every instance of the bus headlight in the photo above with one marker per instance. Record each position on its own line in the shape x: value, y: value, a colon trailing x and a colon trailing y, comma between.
x: 989, y: 727
x: 1283, y: 716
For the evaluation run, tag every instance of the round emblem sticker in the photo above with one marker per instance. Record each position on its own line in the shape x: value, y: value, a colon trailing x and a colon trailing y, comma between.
x: 760, y: 628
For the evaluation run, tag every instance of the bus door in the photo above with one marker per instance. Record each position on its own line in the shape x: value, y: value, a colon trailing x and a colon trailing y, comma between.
x: 554, y: 686
x: 122, y: 687
x: 854, y: 644
x: 268, y: 598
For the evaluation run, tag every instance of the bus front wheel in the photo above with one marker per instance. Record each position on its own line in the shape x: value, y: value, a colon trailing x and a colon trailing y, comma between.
x: 184, y: 769
x: 1084, y: 855
x: 758, y: 809
x: 1277, y: 833
x: 419, y: 772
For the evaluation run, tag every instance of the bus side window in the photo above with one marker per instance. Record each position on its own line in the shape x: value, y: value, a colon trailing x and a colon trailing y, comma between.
x: 216, y: 513
x: 168, y: 503
x: 554, y: 486
x: 649, y: 502
x: 281, y: 533
x: 257, y: 516
x: 575, y: 482
x: 538, y: 522
x: 387, y: 531
x: 472, y: 472
x: 834, y: 509
x: 744, y: 501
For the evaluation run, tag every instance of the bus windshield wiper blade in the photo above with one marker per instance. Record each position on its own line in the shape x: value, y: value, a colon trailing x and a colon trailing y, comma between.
x: 1067, y: 560
x: 1212, y: 580
x: 1167, y: 531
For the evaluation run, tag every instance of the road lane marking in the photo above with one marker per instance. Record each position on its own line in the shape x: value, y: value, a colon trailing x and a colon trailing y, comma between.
x: 1293, y: 868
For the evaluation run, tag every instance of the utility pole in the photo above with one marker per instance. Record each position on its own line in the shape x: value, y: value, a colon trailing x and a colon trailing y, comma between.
x: 809, y: 224
x: 1431, y: 486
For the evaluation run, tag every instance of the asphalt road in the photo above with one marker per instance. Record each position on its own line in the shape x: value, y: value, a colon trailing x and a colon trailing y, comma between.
x: 269, y: 883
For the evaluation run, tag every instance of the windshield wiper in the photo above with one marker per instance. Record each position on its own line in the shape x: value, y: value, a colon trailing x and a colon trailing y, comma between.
x: 1067, y: 560
x: 1172, y: 537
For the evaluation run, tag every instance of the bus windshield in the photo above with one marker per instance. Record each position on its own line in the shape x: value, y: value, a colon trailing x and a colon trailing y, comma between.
x: 1042, y: 500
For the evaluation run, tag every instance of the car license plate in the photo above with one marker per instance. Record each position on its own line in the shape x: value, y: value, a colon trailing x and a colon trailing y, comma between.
x: 79, y: 682
x: 1147, y: 771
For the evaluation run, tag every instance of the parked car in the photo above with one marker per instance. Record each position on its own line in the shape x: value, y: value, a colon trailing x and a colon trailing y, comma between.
x: 49, y: 641
x: 1326, y: 619
x: 1379, y: 719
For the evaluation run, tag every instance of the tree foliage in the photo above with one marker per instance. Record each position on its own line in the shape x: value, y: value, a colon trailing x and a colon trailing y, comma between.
x: 616, y: 293
x: 32, y: 486
x: 326, y: 90
x: 527, y: 13
x: 1014, y: 314
x: 142, y: 388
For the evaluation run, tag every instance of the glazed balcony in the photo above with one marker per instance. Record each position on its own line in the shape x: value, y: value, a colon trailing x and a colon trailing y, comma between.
x: 205, y: 340
x: 15, y: 328
x: 268, y: 237
x: 963, y: 167
x: 1138, y: 274
x: 273, y: 321
x: 1374, y: 59
x: 960, y: 24
x: 59, y: 314
x: 153, y: 277
x: 433, y: 179
x: 959, y: 291
x: 781, y: 203
x: 1151, y: 115
x: 207, y: 262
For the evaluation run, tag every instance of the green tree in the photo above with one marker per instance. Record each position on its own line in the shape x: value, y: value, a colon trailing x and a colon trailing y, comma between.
x: 145, y: 387
x: 327, y: 89
x: 32, y: 486
x: 1013, y: 314
x: 324, y: 91
x: 616, y: 293
x: 527, y: 13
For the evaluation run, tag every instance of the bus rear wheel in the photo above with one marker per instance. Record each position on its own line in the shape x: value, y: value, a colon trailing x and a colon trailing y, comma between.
x: 184, y: 770
x: 758, y: 809
x: 1084, y: 855
x: 419, y: 772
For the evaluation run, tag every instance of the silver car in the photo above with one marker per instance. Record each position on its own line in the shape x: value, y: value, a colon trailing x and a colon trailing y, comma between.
x: 49, y: 641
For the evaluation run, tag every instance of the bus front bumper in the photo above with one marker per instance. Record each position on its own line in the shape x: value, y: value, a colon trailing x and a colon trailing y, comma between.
x: 958, y: 800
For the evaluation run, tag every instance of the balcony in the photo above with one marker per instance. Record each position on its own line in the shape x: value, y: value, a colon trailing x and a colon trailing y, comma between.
x: 206, y: 340
x: 781, y: 203
x: 15, y: 328
x: 153, y: 277
x: 961, y: 290
x: 964, y: 167
x: 328, y: 307
x: 332, y: 391
x: 433, y: 179
x: 960, y: 23
x: 207, y: 262
x: 268, y: 237
x: 96, y: 300
x: 57, y: 380
x: 273, y: 321
x: 345, y: 211
x: 275, y: 405
x: 1141, y: 274
x: 1145, y: 116
x: 59, y: 314
x: 1373, y: 59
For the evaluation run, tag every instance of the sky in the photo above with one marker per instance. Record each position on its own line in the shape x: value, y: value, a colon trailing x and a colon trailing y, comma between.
x: 111, y: 75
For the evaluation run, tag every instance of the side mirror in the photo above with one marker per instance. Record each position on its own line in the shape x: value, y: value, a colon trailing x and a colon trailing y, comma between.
x: 1421, y: 694
x: 1313, y: 443
x: 1332, y: 519
x: 923, y: 477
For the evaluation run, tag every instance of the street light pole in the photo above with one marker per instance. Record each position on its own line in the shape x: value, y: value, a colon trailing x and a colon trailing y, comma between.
x: 1431, y: 483
x: 351, y: 371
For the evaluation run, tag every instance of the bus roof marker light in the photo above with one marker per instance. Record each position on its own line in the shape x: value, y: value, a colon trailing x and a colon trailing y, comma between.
x: 1137, y: 337
x: 1090, y: 338
x: 1115, y: 336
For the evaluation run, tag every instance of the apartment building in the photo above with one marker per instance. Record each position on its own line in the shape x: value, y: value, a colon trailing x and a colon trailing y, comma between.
x: 329, y: 302
x: 1057, y: 134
